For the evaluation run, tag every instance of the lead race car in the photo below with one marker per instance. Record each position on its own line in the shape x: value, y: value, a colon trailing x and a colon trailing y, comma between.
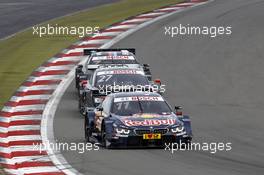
x: 97, y: 57
x: 136, y: 119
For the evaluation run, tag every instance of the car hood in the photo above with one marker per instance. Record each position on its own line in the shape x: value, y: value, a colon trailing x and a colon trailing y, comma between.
x: 146, y: 120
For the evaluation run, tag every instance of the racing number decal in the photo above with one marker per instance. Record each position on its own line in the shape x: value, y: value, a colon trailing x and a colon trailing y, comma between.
x: 125, y: 104
x: 104, y: 78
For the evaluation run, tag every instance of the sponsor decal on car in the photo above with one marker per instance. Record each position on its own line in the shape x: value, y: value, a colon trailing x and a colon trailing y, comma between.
x: 148, y: 122
x: 138, y: 98
x: 118, y: 72
x: 113, y: 57
x: 146, y: 115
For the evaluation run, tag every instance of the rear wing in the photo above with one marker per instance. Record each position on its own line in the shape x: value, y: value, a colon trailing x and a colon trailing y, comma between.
x: 89, y: 51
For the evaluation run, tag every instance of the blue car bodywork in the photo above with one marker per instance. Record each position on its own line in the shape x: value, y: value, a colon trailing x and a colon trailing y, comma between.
x: 143, y: 129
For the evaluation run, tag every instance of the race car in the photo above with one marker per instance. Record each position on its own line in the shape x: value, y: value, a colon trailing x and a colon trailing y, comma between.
x: 136, y: 119
x: 97, y: 57
x: 113, y: 78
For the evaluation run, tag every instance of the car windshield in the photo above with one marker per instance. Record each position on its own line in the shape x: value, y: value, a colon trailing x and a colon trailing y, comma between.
x: 113, y: 59
x: 120, y: 78
x: 137, y: 105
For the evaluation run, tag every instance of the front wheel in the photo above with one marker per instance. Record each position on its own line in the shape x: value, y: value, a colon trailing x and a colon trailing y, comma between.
x: 87, y: 131
x: 105, y: 143
x: 81, y: 107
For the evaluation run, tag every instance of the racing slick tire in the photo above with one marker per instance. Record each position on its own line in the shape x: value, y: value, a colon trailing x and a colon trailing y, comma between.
x: 76, y: 83
x: 87, y: 130
x: 81, y: 107
x: 105, y: 143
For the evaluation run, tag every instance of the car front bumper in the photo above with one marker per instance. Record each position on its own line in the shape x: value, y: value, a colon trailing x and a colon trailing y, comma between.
x: 138, y: 141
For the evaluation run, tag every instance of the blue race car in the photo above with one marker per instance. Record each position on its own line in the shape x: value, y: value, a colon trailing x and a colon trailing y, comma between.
x: 136, y: 119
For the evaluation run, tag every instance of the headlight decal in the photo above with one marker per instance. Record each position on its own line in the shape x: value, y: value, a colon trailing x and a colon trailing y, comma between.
x: 122, y: 131
x: 178, y: 129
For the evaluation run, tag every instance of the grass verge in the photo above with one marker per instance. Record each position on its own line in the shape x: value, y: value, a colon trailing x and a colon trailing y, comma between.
x: 24, y: 52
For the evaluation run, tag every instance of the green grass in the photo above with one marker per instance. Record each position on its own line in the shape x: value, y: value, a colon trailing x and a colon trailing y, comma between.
x: 24, y: 52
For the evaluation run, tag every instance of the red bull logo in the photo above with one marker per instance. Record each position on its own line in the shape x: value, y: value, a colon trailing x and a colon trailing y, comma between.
x: 149, y: 122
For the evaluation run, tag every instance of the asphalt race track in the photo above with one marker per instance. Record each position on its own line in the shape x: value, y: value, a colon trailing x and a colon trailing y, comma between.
x: 219, y: 81
x: 16, y: 15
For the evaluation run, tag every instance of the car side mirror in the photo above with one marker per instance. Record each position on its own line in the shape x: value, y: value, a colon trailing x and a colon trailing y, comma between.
x: 178, y: 110
x: 95, y: 91
x: 80, y: 66
x: 157, y: 81
x: 146, y: 67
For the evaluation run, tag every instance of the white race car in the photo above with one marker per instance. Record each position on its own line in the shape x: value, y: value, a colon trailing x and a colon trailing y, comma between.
x: 99, y: 57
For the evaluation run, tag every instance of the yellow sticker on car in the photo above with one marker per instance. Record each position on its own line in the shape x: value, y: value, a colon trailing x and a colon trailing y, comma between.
x: 151, y: 136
